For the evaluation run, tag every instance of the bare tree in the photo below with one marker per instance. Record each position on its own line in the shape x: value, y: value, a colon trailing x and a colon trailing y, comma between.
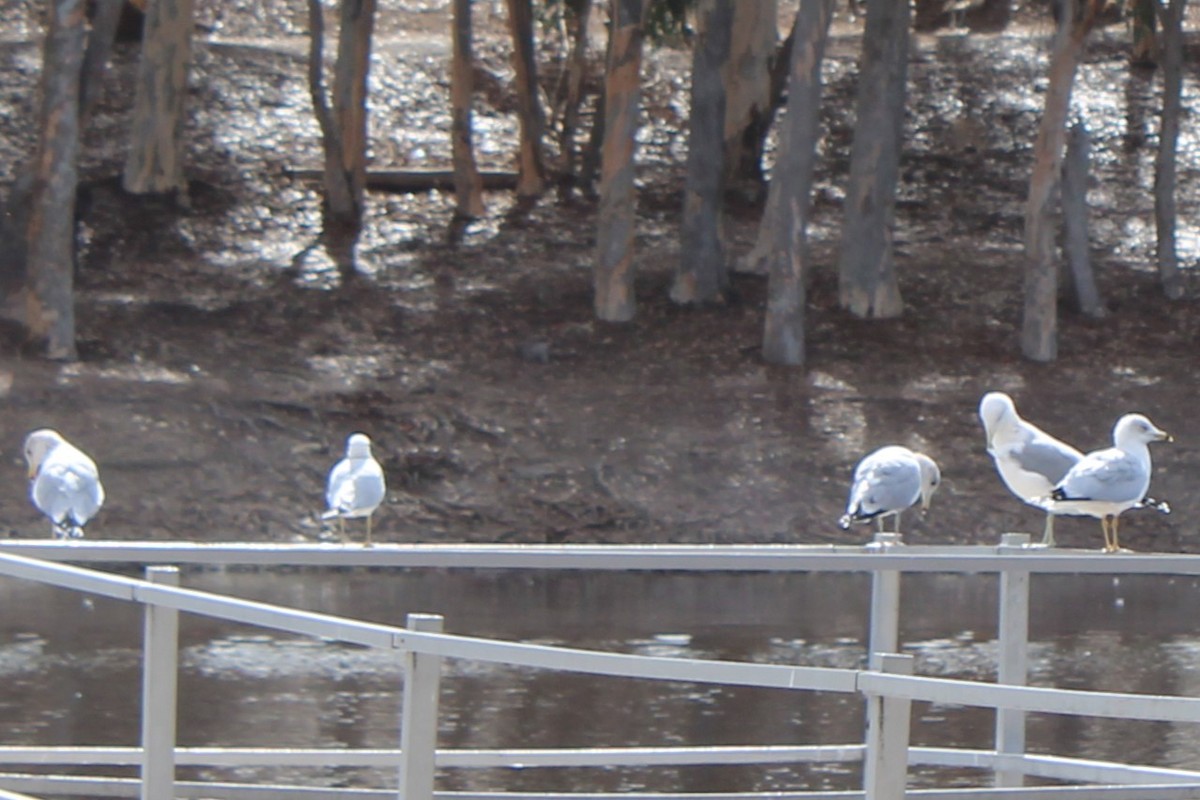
x: 344, y: 125
x: 581, y: 12
x: 1168, y: 139
x: 1143, y: 16
x: 1039, y: 330
x: 747, y: 74
x: 1075, y: 223
x: 50, y: 236
x: 866, y: 271
x: 155, y: 161
x: 613, y: 277
x: 783, y: 232
x: 468, y: 186
x: 532, y: 167
x: 702, y: 276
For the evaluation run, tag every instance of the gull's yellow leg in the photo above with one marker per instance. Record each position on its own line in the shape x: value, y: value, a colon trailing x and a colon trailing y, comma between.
x: 369, y: 542
x: 1116, y: 521
x: 1106, y: 524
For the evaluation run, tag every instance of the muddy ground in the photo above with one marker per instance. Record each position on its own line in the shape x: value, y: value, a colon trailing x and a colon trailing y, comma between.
x: 224, y: 360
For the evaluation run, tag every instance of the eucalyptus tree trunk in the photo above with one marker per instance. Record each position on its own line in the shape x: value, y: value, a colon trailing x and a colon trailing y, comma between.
x: 782, y: 235
x: 1143, y: 18
x: 1039, y: 329
x: 701, y: 276
x: 747, y: 75
x: 99, y: 47
x: 50, y: 235
x: 613, y: 277
x: 866, y: 270
x: 468, y: 186
x: 1168, y: 139
x: 1075, y: 223
x: 576, y: 72
x: 531, y: 161
x: 155, y: 161
x: 344, y: 125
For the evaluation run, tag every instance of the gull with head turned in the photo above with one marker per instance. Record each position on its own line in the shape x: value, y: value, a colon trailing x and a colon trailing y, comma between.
x: 1030, y: 461
x: 64, y: 482
x: 356, y: 485
x: 887, y: 482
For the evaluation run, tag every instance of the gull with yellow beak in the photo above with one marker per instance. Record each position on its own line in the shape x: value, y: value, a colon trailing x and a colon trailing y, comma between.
x: 64, y: 482
x: 1107, y: 482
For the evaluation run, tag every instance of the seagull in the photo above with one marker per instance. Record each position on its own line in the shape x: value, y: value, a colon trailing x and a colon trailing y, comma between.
x: 356, y: 486
x: 64, y: 482
x: 887, y: 482
x: 1030, y: 461
x: 1106, y: 482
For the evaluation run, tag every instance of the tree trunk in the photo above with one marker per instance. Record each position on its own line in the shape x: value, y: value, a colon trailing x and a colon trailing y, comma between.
x: 1142, y: 23
x: 531, y: 162
x: 50, y: 301
x: 1039, y: 329
x: 783, y: 231
x: 350, y: 72
x: 867, y: 276
x: 1075, y: 224
x: 1164, y: 164
x: 702, y: 276
x: 747, y: 76
x: 576, y: 72
x: 339, y: 194
x: 468, y: 187
x: 155, y: 161
x: 99, y: 48
x: 614, y: 298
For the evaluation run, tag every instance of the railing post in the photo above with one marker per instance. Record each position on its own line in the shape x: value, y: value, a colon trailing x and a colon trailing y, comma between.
x: 1014, y: 657
x: 885, y: 765
x: 884, y: 636
x: 419, y: 716
x: 160, y: 674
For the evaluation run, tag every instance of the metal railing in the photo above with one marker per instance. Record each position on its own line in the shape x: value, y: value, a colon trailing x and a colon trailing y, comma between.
x: 887, y: 684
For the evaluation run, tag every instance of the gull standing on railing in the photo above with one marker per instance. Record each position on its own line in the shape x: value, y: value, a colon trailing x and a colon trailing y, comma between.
x: 64, y: 482
x: 887, y: 482
x: 1030, y: 461
x: 356, y: 486
x: 1106, y: 482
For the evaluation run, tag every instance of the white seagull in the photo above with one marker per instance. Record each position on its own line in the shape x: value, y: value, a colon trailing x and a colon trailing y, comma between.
x: 356, y: 486
x: 1106, y: 482
x: 1030, y: 461
x: 887, y: 482
x: 64, y: 482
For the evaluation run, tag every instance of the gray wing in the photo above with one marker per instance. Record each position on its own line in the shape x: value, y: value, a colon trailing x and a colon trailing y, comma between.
x: 66, y: 489
x: 1109, y: 476
x: 887, y: 486
x: 1047, y: 457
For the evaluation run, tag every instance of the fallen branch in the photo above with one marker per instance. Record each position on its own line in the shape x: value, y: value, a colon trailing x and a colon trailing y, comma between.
x: 416, y: 180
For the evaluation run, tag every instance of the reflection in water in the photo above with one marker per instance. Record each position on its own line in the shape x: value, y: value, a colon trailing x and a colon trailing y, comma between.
x: 71, y: 670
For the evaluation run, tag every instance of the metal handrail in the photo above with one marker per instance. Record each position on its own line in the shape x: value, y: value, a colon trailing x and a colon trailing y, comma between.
x: 418, y: 646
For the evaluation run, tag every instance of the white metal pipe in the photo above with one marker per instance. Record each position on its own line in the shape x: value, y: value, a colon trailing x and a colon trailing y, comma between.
x: 1013, y: 634
x: 885, y: 763
x: 419, y: 721
x: 160, y: 669
x: 682, y: 558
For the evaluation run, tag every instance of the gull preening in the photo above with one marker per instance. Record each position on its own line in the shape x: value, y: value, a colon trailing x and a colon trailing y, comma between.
x: 64, y: 482
x: 1030, y: 461
x: 356, y: 486
x: 1107, y: 482
x: 887, y: 482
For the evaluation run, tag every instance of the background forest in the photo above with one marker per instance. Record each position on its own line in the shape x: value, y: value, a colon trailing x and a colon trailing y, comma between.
x: 227, y: 341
